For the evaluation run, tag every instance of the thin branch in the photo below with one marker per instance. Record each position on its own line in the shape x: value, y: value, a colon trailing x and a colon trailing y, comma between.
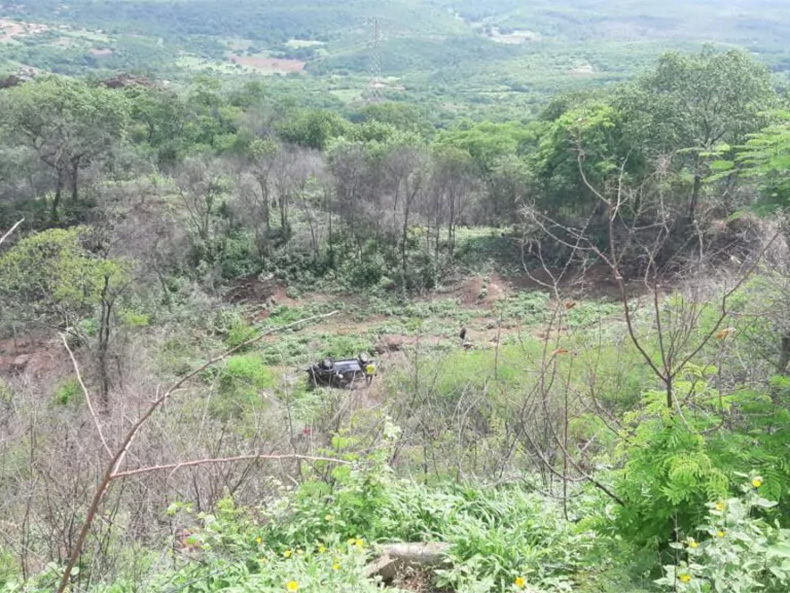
x: 11, y: 230
x: 176, y: 466
x: 87, y: 396
x: 111, y: 471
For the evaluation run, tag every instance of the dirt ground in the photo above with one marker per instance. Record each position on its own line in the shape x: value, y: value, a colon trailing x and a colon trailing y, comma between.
x: 9, y: 30
x: 33, y: 356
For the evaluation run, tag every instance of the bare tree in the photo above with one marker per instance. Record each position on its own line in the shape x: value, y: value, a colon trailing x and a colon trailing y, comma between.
x: 117, y: 454
x: 201, y: 186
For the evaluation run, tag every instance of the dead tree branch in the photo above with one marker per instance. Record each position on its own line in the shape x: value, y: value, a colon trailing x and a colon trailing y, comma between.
x: 221, y: 460
x: 87, y: 395
x: 112, y: 471
x: 11, y: 230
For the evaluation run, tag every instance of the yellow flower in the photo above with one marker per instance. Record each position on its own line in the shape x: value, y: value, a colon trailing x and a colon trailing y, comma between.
x: 684, y: 578
x: 321, y: 549
x: 259, y: 540
x: 352, y: 541
x: 328, y: 517
x: 335, y: 566
x: 293, y: 585
x: 359, y: 543
x: 720, y: 534
x: 693, y: 543
x: 720, y: 506
x: 520, y: 582
x: 287, y: 553
x: 757, y: 482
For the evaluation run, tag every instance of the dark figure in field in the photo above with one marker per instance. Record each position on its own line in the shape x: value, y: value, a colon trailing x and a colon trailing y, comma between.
x: 464, y: 342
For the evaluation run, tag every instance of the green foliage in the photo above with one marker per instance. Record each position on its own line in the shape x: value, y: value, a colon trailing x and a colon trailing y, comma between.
x: 739, y: 552
x: 675, y: 461
x: 765, y: 158
x: 598, y: 132
x: 669, y: 474
x: 245, y: 373
x: 69, y: 124
x: 68, y: 392
x: 496, y: 535
x: 313, y: 129
x: 52, y: 276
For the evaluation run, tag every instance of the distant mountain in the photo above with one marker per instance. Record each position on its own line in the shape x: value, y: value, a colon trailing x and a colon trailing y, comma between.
x: 470, y: 52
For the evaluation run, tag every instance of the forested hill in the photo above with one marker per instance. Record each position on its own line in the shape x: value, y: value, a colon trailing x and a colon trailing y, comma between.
x: 363, y: 296
x: 458, y: 56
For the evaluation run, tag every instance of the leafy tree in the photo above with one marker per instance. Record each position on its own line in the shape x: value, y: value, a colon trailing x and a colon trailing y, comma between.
x: 159, y: 120
x: 401, y: 116
x: 313, y: 128
x: 51, y: 278
x: 697, y: 102
x: 766, y: 158
x: 589, y: 139
x: 213, y: 121
x: 491, y: 145
x: 68, y: 123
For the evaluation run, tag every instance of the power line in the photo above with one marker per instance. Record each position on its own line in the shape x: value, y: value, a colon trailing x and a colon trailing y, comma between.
x: 373, y: 94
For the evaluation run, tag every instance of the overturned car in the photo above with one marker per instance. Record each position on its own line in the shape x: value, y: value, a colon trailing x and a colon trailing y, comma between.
x: 347, y: 372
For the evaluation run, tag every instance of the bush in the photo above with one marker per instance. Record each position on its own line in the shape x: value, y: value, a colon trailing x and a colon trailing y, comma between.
x: 68, y: 391
x: 738, y: 551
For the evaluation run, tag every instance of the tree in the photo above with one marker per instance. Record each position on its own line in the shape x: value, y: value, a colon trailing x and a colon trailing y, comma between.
x: 765, y: 158
x: 159, y: 119
x: 587, y: 141
x: 490, y: 145
x: 405, y: 118
x: 313, y: 128
x: 405, y: 170
x: 202, y: 187
x: 53, y: 279
x: 697, y: 102
x: 69, y: 124
x: 213, y: 121
x: 452, y: 186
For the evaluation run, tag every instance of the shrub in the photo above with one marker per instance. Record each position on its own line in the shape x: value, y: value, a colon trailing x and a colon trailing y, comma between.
x: 68, y: 391
x: 738, y: 551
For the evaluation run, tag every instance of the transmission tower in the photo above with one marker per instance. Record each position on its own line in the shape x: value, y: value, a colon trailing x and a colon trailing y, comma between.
x: 373, y: 94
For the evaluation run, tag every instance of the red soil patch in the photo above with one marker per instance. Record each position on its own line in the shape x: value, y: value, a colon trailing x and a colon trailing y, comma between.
x: 29, y: 356
x: 270, y: 64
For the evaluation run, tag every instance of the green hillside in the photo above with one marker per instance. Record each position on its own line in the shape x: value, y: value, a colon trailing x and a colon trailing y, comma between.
x: 458, y: 57
x: 398, y: 296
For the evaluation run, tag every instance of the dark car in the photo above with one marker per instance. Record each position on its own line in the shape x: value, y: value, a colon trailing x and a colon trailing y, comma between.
x: 341, y: 373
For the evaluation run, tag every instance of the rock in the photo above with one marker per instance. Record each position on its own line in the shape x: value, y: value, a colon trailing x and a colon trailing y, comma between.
x: 396, y: 557
x: 389, y: 344
x: 20, y: 363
